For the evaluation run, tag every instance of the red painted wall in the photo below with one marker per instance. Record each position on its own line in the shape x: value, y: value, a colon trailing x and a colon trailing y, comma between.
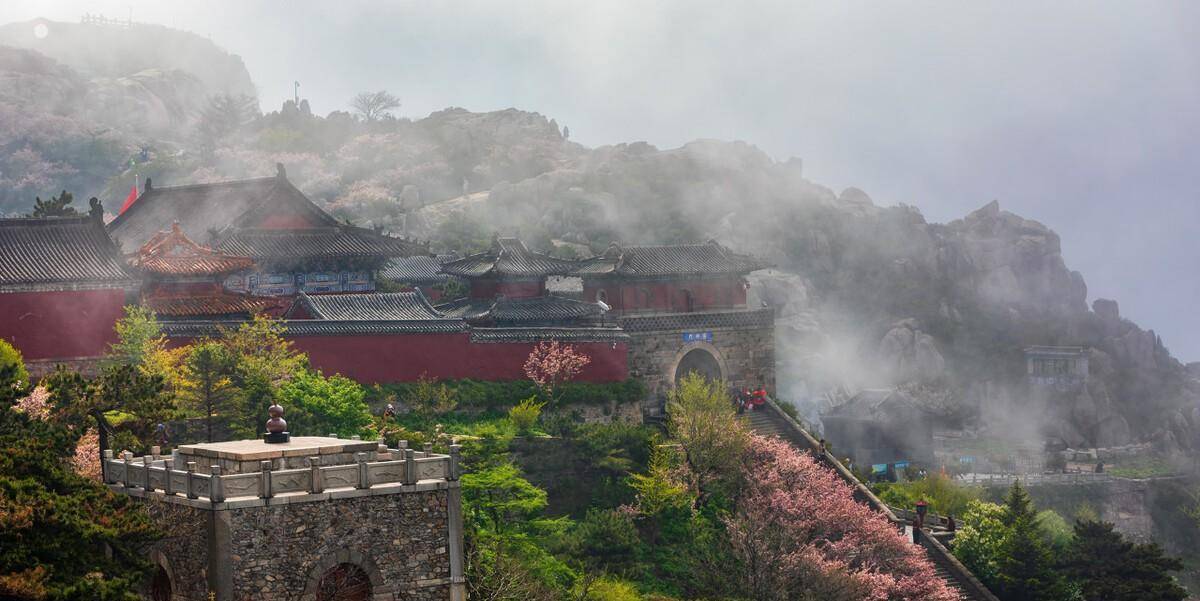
x: 405, y: 357
x: 481, y: 288
x: 59, y: 325
x: 668, y: 295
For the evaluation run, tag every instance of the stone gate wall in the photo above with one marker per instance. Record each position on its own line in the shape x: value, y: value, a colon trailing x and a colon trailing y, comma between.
x: 743, y: 343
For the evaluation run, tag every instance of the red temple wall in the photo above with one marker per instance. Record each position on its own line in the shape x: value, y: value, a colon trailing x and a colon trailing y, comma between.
x: 61, y: 324
x: 519, y: 289
x: 707, y: 294
x: 405, y: 357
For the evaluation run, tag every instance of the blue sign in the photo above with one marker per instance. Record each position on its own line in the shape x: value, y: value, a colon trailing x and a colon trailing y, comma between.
x: 879, y: 468
x: 697, y: 336
x: 901, y: 465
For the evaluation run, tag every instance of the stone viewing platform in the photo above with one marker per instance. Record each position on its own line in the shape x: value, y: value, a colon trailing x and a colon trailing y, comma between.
x: 251, y: 469
x: 312, y: 518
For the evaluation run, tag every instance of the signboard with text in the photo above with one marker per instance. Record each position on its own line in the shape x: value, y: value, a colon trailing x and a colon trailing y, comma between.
x: 697, y: 337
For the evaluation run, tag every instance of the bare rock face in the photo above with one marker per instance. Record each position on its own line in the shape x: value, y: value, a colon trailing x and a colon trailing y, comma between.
x: 1107, y: 310
x: 910, y: 354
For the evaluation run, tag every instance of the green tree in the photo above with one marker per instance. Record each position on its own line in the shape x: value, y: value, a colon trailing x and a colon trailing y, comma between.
x: 1110, y: 568
x: 14, y: 380
x: 980, y: 539
x: 120, y: 392
x: 315, y: 405
x: 63, y: 536
x: 139, y: 336
x: 429, y: 398
x: 263, y: 361
x: 501, y: 499
x: 1025, y: 569
x: 57, y: 206
x: 702, y: 419
x: 206, y: 386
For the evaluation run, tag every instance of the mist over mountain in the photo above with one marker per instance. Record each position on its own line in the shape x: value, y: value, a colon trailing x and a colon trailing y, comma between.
x: 866, y: 295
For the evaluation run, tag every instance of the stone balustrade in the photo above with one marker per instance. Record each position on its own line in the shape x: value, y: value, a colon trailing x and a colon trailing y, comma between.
x: 173, y: 477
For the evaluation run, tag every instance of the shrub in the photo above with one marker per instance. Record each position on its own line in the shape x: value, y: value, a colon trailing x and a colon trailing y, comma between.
x: 315, y: 405
x: 608, y: 589
x: 14, y: 380
x: 525, y: 414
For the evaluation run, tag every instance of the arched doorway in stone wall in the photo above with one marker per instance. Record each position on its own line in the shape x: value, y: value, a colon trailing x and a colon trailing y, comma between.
x: 702, y: 362
x: 344, y: 582
x: 160, y: 587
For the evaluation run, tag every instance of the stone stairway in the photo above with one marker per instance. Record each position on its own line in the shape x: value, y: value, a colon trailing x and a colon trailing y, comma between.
x: 768, y: 420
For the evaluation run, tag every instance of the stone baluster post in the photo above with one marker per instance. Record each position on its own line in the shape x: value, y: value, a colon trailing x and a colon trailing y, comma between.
x: 410, y: 466
x: 146, y: 459
x: 156, y: 451
x: 364, y: 475
x: 105, y: 468
x: 264, y: 480
x: 429, y: 449
x: 128, y: 455
x: 316, y: 483
x: 381, y: 451
x: 168, y: 467
x: 355, y: 437
x: 455, y: 457
x: 216, y: 488
x: 191, y: 480
x: 333, y: 435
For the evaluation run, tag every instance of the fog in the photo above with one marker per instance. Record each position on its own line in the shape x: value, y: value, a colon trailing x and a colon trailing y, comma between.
x: 1079, y: 114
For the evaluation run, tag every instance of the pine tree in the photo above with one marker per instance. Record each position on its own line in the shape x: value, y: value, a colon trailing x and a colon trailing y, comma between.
x: 1025, y: 567
x: 1110, y: 568
x: 57, y: 206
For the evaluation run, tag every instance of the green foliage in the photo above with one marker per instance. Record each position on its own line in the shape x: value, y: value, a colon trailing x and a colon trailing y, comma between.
x: 463, y: 232
x: 1109, y: 568
x: 80, y: 403
x: 63, y: 536
x: 14, y: 379
x: 607, y: 589
x: 316, y: 406
x: 1056, y: 531
x: 205, y: 385
x: 428, y: 398
x: 524, y: 415
x: 1147, y: 466
x: 263, y: 361
x: 502, y: 394
x: 980, y: 539
x: 702, y: 418
x: 945, y: 496
x: 1025, y: 567
x: 57, y: 206
x: 605, y: 540
x: 139, y: 335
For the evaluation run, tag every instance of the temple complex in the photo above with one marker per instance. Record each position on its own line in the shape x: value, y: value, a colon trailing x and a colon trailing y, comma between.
x: 207, y: 257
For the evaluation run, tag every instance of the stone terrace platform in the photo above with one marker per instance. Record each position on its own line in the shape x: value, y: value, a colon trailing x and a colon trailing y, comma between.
x: 245, y: 473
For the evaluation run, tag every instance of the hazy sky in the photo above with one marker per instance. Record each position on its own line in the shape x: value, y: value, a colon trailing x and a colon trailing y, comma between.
x: 1082, y: 115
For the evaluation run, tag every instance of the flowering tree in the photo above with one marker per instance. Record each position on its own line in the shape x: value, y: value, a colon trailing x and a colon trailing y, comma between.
x: 86, y: 460
x: 36, y: 405
x: 798, y: 528
x: 552, y: 364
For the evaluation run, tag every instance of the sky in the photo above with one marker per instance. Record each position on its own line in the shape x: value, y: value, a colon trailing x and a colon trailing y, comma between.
x: 1083, y: 115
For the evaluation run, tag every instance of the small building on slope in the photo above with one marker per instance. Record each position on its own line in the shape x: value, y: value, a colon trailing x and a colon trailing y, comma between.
x: 63, y: 284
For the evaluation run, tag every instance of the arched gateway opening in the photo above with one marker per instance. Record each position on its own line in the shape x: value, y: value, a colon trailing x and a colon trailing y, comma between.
x: 160, y: 587
x: 344, y: 582
x: 700, y: 361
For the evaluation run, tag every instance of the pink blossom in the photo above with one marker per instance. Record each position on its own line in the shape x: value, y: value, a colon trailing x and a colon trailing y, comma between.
x: 86, y: 460
x: 37, y: 404
x: 551, y: 364
x: 798, y: 525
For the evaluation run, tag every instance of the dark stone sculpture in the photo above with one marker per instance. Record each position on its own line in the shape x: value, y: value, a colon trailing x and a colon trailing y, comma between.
x: 276, y: 426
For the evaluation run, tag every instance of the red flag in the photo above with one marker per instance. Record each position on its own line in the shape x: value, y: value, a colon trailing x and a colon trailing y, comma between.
x: 129, y: 199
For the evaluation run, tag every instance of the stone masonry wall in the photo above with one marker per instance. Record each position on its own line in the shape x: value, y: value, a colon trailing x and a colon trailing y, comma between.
x: 747, y: 357
x: 183, y: 552
x: 403, y: 537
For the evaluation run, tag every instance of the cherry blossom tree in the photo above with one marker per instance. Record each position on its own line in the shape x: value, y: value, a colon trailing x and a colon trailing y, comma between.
x: 552, y: 364
x: 800, y: 534
x: 86, y: 460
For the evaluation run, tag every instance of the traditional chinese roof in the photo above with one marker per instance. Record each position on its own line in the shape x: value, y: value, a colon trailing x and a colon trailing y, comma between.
x: 665, y: 260
x: 740, y: 319
x: 508, y: 257
x: 173, y: 253
x: 548, y: 310
x: 418, y: 269
x: 264, y: 217
x: 210, y: 305
x: 340, y: 242
x: 374, y: 306
x: 59, y: 252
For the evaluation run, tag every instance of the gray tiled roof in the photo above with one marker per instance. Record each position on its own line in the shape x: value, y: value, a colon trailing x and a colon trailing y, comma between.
x: 757, y: 318
x: 220, y: 214
x: 534, y: 334
x: 374, y: 306
x: 315, y: 327
x: 508, y: 256
x: 546, y: 310
x: 418, y: 269
x: 675, y: 259
x: 333, y: 242
x: 59, y: 251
